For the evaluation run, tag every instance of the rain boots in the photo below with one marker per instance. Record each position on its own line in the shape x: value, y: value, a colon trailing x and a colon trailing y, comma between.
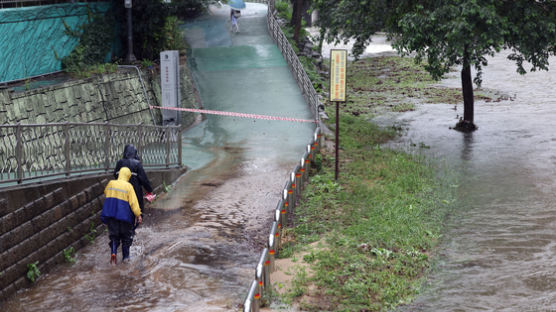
x: 113, y: 258
x: 125, y: 253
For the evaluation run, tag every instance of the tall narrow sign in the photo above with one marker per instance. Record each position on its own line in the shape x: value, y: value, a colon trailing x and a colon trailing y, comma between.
x: 338, y: 76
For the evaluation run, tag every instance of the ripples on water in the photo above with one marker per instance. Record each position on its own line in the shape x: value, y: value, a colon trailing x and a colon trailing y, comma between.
x: 499, y: 251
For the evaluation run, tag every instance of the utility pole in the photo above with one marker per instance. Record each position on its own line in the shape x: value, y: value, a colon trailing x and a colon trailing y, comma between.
x: 130, y: 57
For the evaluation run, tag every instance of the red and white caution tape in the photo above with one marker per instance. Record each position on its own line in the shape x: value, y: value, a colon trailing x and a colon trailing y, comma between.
x: 232, y: 114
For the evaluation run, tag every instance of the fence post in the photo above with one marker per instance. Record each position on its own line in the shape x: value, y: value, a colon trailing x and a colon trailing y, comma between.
x: 67, y: 149
x: 292, y: 190
x: 140, y: 140
x: 19, y: 153
x: 108, y: 136
x: 180, y: 161
x: 278, y: 216
x: 167, y: 138
x: 262, y: 274
x: 252, y: 302
x: 273, y: 245
x: 297, y: 179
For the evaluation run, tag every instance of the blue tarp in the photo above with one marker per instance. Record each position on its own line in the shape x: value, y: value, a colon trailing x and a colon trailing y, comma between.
x: 33, y: 40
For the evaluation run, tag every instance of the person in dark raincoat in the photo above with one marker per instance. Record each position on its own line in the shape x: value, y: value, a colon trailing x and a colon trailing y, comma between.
x: 121, y: 213
x: 139, y: 178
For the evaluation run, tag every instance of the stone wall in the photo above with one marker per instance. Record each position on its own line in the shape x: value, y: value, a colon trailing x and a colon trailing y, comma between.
x: 39, y: 221
x: 115, y: 98
x: 60, y: 215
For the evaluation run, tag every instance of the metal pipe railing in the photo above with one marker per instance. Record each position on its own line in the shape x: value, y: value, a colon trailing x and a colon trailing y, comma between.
x: 39, y: 151
x: 298, y: 177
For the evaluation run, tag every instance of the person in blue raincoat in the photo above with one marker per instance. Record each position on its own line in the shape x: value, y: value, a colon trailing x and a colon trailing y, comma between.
x: 121, y: 213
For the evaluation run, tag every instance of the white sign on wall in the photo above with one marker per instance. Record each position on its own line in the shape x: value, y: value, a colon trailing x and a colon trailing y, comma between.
x: 169, y: 83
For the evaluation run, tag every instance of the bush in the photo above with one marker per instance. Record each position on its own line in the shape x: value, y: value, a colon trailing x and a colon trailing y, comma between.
x: 95, y: 43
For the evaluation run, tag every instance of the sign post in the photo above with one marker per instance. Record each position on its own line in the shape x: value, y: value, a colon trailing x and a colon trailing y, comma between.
x: 170, y: 85
x: 338, y: 66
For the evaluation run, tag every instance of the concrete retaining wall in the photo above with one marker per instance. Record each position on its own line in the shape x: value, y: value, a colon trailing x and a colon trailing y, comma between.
x: 62, y: 214
x: 115, y: 98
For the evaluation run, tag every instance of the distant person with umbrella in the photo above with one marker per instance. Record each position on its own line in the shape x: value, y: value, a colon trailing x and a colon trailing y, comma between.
x: 235, y: 13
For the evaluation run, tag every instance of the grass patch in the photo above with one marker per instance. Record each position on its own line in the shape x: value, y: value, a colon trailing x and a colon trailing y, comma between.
x: 380, y: 223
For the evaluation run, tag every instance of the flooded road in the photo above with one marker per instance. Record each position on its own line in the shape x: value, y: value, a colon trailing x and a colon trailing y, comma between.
x: 499, y: 249
x: 198, y: 247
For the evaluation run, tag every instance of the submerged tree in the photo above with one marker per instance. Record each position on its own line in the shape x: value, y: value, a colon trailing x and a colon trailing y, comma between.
x: 463, y: 32
x: 447, y: 33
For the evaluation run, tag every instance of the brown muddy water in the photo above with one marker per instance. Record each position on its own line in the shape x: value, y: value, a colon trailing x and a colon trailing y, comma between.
x: 499, y: 248
x: 199, y: 245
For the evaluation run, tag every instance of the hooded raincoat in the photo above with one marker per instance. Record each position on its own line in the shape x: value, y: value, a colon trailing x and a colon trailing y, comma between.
x: 121, y: 202
x: 138, y: 178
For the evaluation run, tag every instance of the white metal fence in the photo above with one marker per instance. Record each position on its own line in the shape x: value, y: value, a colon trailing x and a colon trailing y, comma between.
x: 261, y: 285
x: 39, y: 151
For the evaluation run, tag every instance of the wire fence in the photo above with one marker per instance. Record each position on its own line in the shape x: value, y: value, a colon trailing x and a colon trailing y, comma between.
x: 40, y: 151
x: 261, y: 285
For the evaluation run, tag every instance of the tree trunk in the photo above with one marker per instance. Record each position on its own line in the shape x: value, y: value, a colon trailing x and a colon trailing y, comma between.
x: 467, y: 88
x: 467, y: 124
x: 297, y: 14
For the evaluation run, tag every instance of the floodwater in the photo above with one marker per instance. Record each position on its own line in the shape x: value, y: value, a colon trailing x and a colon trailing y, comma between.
x: 199, y: 245
x: 499, y: 249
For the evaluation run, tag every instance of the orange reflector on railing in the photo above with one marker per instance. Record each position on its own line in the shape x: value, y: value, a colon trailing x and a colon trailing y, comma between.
x: 271, y: 251
x: 260, y: 283
x: 267, y: 262
x: 276, y: 234
x: 279, y: 225
x: 307, y: 160
x: 283, y: 211
x: 286, y: 203
x: 257, y: 296
x: 293, y: 186
x: 302, y: 170
x: 297, y: 175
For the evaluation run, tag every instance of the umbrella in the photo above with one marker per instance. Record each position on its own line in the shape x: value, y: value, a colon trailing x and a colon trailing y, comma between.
x: 236, y: 4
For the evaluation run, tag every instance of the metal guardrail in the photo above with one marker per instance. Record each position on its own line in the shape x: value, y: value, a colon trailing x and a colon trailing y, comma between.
x: 261, y: 285
x: 40, y: 151
x: 300, y: 76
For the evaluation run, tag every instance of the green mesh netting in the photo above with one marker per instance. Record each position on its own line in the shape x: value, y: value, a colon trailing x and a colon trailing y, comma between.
x: 33, y: 40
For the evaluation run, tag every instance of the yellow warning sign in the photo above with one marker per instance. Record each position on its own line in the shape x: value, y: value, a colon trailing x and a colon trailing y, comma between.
x: 338, y: 65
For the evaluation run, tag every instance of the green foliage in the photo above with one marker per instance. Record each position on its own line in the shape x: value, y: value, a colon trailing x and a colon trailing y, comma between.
x: 284, y: 10
x: 351, y: 19
x: 92, y: 232
x: 377, y: 224
x: 465, y: 31
x: 147, y: 63
x: 33, y: 271
x: 69, y: 255
x: 95, y: 43
x: 166, y: 188
x: 156, y: 24
x: 190, y: 8
x: 173, y: 38
x: 311, y: 70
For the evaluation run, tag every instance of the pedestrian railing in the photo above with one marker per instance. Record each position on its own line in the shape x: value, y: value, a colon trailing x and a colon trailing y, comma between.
x: 40, y: 151
x: 261, y: 284
x: 300, y: 76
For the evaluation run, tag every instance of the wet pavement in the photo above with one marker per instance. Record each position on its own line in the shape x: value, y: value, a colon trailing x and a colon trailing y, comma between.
x: 499, y: 249
x: 199, y: 245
